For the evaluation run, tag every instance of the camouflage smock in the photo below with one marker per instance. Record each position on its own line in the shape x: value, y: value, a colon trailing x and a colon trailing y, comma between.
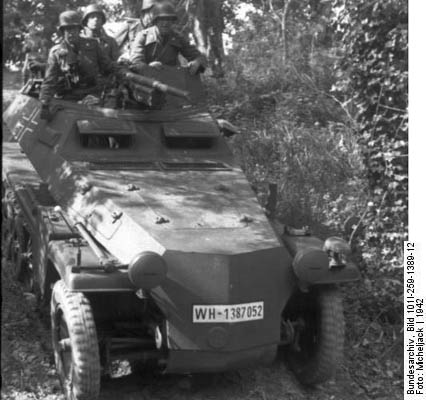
x: 107, y: 43
x: 148, y: 46
x: 69, y: 71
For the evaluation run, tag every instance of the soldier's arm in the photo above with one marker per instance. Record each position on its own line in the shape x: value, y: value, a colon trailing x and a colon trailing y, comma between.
x: 115, y: 51
x: 137, y: 50
x: 106, y: 65
x: 50, y: 81
x: 191, y: 53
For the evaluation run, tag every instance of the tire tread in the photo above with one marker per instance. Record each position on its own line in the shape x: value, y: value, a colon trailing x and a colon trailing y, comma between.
x: 84, y: 342
x: 329, y: 355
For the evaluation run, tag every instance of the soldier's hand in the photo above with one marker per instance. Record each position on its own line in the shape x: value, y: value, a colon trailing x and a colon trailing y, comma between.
x: 36, y: 65
x: 45, y: 113
x: 195, y: 66
x: 138, y: 68
x: 156, y: 64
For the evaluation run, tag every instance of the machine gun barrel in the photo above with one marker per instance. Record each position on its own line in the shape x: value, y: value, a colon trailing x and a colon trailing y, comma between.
x: 153, y: 83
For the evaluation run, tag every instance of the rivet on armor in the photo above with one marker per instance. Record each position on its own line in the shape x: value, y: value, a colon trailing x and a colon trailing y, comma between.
x: 222, y: 188
x: 85, y: 187
x: 116, y: 216
x: 131, y: 187
x: 246, y: 219
x: 161, y: 220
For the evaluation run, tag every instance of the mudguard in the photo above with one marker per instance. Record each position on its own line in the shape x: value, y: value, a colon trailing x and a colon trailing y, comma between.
x: 311, y: 264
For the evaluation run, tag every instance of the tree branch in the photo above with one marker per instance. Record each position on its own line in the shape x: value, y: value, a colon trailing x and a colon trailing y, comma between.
x: 283, y: 30
x: 274, y: 12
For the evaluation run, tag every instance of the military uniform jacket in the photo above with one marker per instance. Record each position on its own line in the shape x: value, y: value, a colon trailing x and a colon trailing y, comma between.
x: 107, y: 43
x: 148, y: 46
x: 124, y: 33
x: 68, y: 70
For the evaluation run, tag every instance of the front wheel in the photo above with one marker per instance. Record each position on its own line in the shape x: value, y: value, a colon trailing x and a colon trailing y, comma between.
x: 75, y: 344
x: 317, y: 350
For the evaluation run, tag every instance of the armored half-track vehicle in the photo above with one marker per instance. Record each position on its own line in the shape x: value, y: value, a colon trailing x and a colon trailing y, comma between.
x: 132, y: 219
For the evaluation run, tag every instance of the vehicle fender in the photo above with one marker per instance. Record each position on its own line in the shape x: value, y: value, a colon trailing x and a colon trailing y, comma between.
x: 311, y: 263
x: 47, y: 230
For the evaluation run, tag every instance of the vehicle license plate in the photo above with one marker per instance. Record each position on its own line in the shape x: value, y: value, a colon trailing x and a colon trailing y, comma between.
x: 227, y: 313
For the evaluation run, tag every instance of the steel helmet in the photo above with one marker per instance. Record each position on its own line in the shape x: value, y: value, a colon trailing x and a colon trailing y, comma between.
x: 147, y: 4
x: 69, y: 18
x: 92, y: 9
x: 163, y: 10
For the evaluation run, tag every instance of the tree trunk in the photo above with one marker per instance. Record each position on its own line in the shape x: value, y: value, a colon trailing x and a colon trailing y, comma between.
x: 214, y: 15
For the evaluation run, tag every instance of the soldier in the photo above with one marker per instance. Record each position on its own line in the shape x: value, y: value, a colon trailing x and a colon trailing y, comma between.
x: 160, y: 44
x: 36, y: 52
x: 146, y: 12
x: 93, y: 20
x: 125, y: 32
x: 73, y: 65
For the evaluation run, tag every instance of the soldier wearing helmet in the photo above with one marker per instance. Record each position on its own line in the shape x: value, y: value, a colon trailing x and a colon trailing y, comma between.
x: 93, y: 20
x: 126, y: 33
x: 36, y: 52
x: 146, y: 12
x: 73, y: 65
x: 161, y: 44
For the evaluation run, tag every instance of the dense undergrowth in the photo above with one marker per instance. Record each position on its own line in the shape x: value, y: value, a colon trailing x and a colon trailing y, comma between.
x: 297, y: 139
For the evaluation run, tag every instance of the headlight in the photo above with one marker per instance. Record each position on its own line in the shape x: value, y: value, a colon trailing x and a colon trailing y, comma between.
x: 337, y: 250
x: 147, y: 270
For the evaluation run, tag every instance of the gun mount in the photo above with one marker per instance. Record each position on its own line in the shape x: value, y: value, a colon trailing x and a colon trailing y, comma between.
x: 149, y: 90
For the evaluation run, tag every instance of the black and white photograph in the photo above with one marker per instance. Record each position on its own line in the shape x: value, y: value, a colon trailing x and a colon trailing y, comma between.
x: 213, y: 199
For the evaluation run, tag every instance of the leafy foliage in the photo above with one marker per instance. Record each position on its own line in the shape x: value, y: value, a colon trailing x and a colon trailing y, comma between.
x: 296, y: 133
x: 25, y: 19
x: 374, y: 74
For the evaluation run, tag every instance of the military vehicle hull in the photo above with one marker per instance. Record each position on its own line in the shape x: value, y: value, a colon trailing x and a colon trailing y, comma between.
x: 141, y: 224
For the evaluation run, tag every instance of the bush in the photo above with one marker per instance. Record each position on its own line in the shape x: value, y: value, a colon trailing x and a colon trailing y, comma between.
x: 294, y: 138
x: 374, y: 73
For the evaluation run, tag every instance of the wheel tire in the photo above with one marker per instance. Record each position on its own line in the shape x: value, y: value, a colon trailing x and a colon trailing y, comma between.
x: 21, y: 255
x: 75, y: 344
x: 25, y: 268
x: 321, y: 340
x: 6, y: 208
x: 17, y: 245
x: 8, y: 228
x: 5, y: 223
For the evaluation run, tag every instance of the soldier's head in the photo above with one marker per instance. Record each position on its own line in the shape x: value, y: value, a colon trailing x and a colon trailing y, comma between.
x: 148, y: 4
x: 146, y: 12
x: 164, y: 17
x: 94, y: 17
x: 70, y: 26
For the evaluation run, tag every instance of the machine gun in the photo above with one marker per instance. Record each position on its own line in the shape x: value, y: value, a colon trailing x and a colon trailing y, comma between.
x: 149, y: 91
